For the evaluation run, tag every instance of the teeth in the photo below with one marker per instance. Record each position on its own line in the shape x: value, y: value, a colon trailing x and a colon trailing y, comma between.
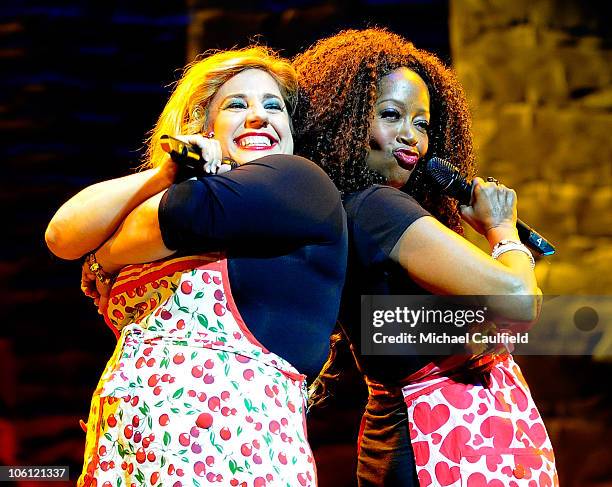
x: 255, y: 140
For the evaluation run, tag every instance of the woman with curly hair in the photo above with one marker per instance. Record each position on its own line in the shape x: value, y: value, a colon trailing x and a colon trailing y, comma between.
x: 206, y: 384
x: 371, y: 107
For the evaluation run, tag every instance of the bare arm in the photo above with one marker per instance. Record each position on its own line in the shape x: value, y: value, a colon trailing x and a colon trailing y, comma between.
x: 87, y: 219
x: 212, y: 211
x: 138, y: 239
x: 91, y: 216
x: 444, y: 263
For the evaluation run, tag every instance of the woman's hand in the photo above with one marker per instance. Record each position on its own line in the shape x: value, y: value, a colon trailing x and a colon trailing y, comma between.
x: 493, y: 207
x: 93, y: 288
x: 211, y: 152
x: 88, y: 283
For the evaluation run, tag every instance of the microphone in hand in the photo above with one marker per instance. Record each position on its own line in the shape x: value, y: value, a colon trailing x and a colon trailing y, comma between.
x: 188, y: 158
x: 453, y: 184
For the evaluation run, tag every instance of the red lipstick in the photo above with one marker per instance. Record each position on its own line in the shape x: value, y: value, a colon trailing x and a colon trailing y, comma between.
x: 406, y: 159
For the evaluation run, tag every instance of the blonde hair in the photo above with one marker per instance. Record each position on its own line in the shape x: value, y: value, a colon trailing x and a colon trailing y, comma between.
x: 187, y: 109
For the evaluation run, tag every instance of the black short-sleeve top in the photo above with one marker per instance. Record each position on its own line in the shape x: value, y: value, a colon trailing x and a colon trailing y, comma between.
x: 377, y: 218
x: 281, y: 223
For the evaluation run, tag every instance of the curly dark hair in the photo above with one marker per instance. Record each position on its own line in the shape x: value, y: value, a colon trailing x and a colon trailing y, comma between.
x: 338, y: 84
x: 339, y: 78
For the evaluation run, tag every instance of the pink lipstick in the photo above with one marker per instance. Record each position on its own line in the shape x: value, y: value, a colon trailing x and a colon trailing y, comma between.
x: 406, y: 159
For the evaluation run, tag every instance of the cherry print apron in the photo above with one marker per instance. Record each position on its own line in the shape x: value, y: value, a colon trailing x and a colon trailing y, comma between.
x: 467, y: 434
x: 190, y: 397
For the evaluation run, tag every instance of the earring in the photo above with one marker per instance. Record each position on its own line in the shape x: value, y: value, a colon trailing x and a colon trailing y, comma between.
x: 196, y: 113
x: 210, y: 135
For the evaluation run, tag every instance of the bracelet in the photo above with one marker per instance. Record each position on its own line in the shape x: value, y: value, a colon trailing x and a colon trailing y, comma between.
x: 104, y: 277
x: 507, y: 245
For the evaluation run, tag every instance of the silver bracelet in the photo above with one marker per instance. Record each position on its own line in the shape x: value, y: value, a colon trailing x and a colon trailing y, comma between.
x: 507, y: 245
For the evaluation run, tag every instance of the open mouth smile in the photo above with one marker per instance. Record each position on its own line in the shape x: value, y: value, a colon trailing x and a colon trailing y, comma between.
x: 255, y: 141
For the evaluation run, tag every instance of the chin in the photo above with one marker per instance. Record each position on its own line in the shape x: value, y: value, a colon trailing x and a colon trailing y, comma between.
x: 397, y: 183
x: 399, y: 177
x: 245, y: 157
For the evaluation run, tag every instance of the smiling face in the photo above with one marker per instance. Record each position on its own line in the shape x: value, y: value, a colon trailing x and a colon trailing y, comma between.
x: 249, y: 117
x: 399, y: 127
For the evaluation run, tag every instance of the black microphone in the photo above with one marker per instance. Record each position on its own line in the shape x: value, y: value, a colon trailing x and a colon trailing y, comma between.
x: 453, y: 184
x: 188, y: 157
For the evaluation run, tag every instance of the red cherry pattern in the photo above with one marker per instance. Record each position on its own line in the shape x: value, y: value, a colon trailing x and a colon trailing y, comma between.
x: 191, y: 397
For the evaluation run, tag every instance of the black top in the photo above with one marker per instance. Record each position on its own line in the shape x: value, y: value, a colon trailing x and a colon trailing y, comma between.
x: 377, y: 218
x: 281, y: 222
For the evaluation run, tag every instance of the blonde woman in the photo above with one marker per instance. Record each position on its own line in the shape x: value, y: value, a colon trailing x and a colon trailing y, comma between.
x: 206, y: 385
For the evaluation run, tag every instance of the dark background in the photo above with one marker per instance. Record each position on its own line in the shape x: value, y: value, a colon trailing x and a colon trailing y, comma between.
x: 83, y: 82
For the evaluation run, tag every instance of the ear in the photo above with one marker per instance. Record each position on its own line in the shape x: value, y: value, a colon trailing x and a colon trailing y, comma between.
x: 208, y: 123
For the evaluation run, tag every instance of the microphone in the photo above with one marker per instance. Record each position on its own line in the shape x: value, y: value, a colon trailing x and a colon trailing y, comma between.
x: 453, y: 184
x: 188, y: 157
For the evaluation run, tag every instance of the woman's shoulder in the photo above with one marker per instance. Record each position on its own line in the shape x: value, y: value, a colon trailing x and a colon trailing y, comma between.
x: 295, y: 170
x: 380, y: 198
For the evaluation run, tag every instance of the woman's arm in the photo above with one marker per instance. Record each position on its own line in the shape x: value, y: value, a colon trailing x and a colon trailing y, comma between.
x: 138, y: 239
x: 444, y: 263
x: 91, y: 216
x: 275, y: 201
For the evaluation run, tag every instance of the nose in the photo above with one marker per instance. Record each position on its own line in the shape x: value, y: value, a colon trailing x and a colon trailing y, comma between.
x: 257, y: 116
x: 407, y: 134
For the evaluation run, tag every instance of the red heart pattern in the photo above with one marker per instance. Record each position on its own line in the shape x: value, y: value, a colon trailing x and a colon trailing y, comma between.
x: 424, y: 478
x: 500, y: 402
x: 454, y: 443
x: 428, y: 419
x: 500, y: 429
x: 467, y: 434
x: 412, y: 431
x: 479, y: 480
x: 545, y: 480
x: 458, y: 396
x: 447, y: 475
x: 493, y: 461
x: 519, y: 398
x: 421, y: 452
x: 536, y: 432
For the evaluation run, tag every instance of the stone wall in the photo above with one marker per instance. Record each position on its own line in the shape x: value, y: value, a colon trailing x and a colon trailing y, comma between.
x: 538, y: 79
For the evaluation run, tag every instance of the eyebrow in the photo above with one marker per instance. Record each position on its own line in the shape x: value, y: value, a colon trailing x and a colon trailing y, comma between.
x: 393, y: 100
x: 243, y: 96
